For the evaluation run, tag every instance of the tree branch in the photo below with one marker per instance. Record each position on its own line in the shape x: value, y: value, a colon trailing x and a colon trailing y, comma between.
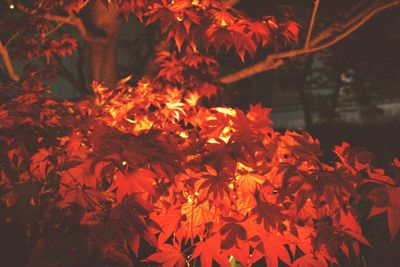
x: 76, y: 22
x: 330, y: 31
x: 230, y: 3
x: 70, y: 20
x: 312, y: 21
x: 325, y: 39
x: 7, y: 62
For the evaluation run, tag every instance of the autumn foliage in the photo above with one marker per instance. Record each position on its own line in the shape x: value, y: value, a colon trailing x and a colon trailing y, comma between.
x: 144, y: 174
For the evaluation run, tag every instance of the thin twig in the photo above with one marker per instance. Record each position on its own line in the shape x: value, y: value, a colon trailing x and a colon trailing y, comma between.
x: 324, y: 40
x: 382, y: 182
x: 77, y: 22
x: 312, y: 22
x: 7, y: 62
x: 70, y: 20
x: 12, y: 38
x: 61, y: 23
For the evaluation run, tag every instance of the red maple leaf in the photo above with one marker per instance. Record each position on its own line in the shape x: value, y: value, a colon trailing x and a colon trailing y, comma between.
x: 259, y: 117
x: 139, y: 181
x: 168, y: 222
x: 215, y: 184
x: 273, y: 247
x: 310, y: 260
x: 168, y: 256
x: 248, y: 182
x: 351, y: 227
x: 88, y: 198
x: 210, y: 250
x: 43, y: 162
x: 197, y: 215
x: 387, y: 198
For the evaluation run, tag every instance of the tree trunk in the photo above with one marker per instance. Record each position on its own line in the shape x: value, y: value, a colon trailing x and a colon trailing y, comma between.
x: 101, y: 60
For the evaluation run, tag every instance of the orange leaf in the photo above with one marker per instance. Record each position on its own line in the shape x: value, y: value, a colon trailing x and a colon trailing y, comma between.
x: 208, y: 250
x: 168, y: 256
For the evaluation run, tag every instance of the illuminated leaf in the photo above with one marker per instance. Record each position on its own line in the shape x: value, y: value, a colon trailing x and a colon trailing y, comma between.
x: 168, y: 256
x: 210, y: 250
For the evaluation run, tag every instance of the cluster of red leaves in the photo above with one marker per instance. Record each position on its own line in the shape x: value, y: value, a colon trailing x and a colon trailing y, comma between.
x: 146, y: 175
x: 189, y: 71
x: 217, y: 26
x: 30, y: 36
x: 42, y: 47
x: 197, y: 25
x: 142, y: 167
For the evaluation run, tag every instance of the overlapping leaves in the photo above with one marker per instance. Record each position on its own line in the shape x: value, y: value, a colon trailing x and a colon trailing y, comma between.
x: 135, y: 174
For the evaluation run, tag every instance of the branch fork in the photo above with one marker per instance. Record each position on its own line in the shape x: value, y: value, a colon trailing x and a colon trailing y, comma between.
x: 326, y: 38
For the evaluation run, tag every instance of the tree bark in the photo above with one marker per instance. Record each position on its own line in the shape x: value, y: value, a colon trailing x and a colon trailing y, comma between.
x: 101, y: 59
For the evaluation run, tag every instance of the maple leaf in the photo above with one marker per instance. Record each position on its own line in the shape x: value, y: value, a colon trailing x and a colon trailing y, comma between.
x: 88, y: 198
x: 310, y: 260
x: 219, y: 37
x: 74, y: 145
x: 115, y: 231
x: 292, y: 32
x: 168, y: 222
x: 209, y: 250
x: 141, y: 180
x: 171, y: 68
x: 300, y: 238
x: 267, y: 214
x: 273, y: 247
x: 216, y: 184
x: 232, y: 233
x: 259, y: 31
x: 207, y: 90
x: 197, y: 215
x: 245, y: 203
x: 148, y: 162
x: 259, y: 117
x: 387, y: 198
x: 354, y: 158
x: 248, y: 182
x: 178, y: 18
x: 43, y: 162
x: 77, y: 172
x: 352, y: 228
x: 298, y: 147
x: 239, y: 252
x: 16, y: 156
x: 378, y: 176
x: 195, y: 60
x: 168, y: 256
x: 137, y: 7
x: 65, y: 46
x: 242, y: 42
x: 192, y: 98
